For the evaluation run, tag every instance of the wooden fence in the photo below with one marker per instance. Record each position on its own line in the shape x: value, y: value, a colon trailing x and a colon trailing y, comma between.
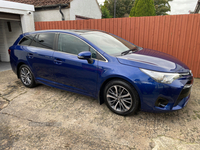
x: 177, y: 35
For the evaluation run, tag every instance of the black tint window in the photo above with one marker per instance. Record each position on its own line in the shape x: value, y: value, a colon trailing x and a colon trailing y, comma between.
x: 44, y: 40
x: 70, y: 44
x: 26, y: 40
x: 93, y: 53
x: 96, y: 55
x: 99, y: 57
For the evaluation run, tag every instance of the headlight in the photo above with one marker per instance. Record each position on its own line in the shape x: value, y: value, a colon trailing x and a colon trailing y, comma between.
x: 162, y: 77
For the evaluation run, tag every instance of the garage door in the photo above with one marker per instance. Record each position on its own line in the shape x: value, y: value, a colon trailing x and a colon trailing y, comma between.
x: 10, y: 29
x: 7, y: 16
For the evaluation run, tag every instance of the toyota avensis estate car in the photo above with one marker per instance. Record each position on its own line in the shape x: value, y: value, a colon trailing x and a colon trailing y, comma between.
x: 104, y: 66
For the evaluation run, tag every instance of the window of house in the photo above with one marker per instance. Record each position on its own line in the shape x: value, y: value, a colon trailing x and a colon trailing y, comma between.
x: 44, y: 40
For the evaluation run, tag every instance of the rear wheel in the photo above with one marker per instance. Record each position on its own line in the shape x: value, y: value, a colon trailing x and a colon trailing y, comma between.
x: 121, y: 98
x: 26, y: 76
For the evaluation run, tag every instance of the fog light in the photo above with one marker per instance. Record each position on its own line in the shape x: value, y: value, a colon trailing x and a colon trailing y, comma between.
x: 161, y: 102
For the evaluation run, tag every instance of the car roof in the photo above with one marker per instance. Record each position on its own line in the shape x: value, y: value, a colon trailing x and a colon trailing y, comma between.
x: 79, y: 32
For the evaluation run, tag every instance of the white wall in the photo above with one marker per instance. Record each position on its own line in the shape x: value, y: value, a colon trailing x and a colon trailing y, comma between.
x: 14, y: 34
x: 85, y: 8
x: 8, y: 38
x: 23, y: 10
x: 16, y: 6
x: 26, y: 25
x: 27, y: 21
x: 51, y: 15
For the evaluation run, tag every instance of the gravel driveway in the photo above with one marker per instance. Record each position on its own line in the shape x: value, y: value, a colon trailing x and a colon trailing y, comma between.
x: 50, y: 118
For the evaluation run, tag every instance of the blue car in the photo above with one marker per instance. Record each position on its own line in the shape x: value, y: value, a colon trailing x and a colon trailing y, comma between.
x: 104, y: 66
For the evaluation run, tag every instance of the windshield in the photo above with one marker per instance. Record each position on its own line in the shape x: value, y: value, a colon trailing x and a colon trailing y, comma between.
x: 110, y: 44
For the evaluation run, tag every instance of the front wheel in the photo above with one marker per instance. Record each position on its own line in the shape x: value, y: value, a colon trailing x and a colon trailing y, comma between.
x: 26, y: 76
x: 121, y: 98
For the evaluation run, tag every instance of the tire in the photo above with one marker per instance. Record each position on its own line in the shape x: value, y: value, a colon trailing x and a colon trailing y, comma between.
x: 26, y: 76
x: 121, y: 98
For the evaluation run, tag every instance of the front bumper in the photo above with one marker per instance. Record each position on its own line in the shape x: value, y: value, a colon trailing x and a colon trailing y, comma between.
x: 159, y: 97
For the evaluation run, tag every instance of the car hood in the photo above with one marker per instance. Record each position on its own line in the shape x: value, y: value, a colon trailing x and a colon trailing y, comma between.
x: 153, y: 60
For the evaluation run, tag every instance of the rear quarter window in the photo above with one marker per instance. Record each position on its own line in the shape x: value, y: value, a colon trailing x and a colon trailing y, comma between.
x: 26, y: 40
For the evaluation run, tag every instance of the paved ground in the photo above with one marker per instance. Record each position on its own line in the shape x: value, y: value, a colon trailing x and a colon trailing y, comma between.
x: 5, y: 66
x: 49, y: 118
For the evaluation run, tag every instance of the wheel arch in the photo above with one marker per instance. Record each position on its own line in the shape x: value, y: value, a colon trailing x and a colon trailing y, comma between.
x: 128, y: 81
x: 18, y: 66
x: 22, y: 62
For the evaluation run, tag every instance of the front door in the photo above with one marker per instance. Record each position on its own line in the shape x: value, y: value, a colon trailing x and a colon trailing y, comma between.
x: 71, y: 72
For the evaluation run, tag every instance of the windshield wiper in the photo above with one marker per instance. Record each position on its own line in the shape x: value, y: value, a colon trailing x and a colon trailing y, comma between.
x: 128, y: 51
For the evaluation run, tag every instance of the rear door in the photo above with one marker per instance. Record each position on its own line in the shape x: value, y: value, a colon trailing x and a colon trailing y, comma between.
x: 40, y: 58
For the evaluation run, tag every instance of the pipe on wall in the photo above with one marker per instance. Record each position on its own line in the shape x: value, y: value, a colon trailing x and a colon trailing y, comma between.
x: 63, y: 17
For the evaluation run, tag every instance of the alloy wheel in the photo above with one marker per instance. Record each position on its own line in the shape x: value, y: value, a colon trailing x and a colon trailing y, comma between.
x: 119, y: 98
x: 25, y: 75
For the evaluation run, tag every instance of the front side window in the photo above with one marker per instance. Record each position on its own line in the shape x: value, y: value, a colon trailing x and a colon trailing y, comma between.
x: 96, y: 55
x: 70, y: 44
x: 26, y: 40
x: 44, y: 40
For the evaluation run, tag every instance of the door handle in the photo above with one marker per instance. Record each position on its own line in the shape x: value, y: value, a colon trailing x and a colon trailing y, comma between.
x: 30, y: 55
x: 58, y: 61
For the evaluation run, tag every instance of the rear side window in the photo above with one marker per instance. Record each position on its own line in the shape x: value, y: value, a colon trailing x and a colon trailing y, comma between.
x: 26, y: 40
x: 44, y: 40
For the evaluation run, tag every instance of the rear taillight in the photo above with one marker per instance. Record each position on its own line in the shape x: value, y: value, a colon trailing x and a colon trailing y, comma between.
x: 9, y: 51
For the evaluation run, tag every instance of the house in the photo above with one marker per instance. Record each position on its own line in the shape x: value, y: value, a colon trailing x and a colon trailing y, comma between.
x: 57, y: 10
x: 15, y: 18
x: 197, y: 9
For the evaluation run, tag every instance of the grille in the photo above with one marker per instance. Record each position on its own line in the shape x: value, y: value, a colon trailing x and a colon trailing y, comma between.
x: 185, y: 91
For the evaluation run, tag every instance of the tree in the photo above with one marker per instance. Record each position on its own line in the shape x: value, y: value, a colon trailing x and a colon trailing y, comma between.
x: 105, y: 12
x: 132, y: 13
x: 162, y: 7
x: 122, y: 7
x: 143, y: 8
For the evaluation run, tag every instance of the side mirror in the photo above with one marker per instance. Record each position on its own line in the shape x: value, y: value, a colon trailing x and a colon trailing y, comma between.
x: 85, y: 55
